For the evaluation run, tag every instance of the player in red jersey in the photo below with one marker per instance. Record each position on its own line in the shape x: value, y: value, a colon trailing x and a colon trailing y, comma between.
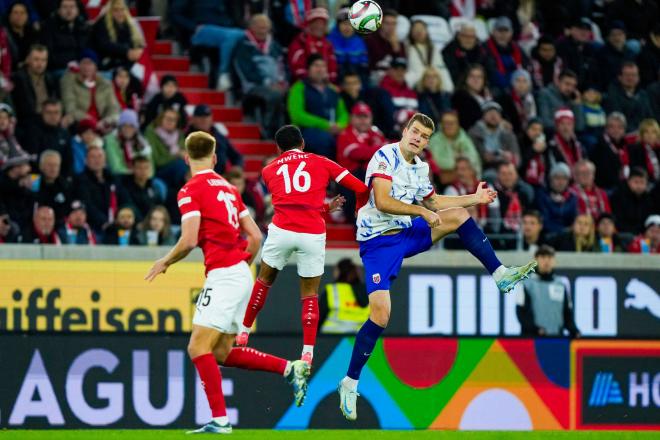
x: 214, y: 217
x: 297, y: 182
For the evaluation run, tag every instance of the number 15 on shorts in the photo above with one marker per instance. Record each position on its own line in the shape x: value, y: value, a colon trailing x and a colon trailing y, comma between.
x: 204, y: 298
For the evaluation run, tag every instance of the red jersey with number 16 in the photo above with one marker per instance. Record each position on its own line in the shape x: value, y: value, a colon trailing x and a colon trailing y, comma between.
x: 297, y: 182
x: 219, y: 204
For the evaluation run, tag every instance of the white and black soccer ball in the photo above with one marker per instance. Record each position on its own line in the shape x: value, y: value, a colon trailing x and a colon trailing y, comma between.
x: 365, y: 16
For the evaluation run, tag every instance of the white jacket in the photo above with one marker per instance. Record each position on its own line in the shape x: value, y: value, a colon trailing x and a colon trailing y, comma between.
x: 417, y: 56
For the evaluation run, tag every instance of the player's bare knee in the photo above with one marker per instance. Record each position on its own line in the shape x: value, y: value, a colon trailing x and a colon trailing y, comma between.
x: 195, y: 349
x: 380, y: 315
x: 221, y: 352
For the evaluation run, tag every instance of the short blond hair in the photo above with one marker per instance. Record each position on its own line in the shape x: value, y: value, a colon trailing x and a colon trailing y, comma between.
x: 422, y: 119
x: 200, y: 145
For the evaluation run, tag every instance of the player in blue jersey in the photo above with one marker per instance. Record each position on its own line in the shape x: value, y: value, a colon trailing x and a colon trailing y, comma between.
x: 387, y: 234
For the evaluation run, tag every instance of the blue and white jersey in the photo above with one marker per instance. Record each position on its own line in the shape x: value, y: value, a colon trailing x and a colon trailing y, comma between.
x: 410, y: 183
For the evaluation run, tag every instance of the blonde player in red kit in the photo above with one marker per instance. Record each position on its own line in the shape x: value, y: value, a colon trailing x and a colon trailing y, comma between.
x: 297, y: 182
x: 214, y: 217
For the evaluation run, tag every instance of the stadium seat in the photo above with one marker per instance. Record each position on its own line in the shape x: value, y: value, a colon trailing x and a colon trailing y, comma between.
x: 439, y: 30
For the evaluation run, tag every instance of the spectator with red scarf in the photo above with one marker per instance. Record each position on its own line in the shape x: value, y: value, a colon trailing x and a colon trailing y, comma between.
x: 504, y: 54
x: 592, y: 200
x: 610, y: 155
x: 76, y: 230
x: 649, y: 242
x: 545, y: 64
x: 536, y: 158
x: 43, y: 227
x: 463, y: 51
x: 127, y: 88
x: 312, y: 40
x: 6, y: 85
x: 125, y: 144
x: 99, y: 190
x: 519, y: 106
x: 565, y: 146
x: 514, y: 195
x: 403, y: 97
x: 646, y: 153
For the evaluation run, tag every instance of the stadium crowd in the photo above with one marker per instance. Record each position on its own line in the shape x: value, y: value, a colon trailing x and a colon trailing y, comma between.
x: 554, y: 104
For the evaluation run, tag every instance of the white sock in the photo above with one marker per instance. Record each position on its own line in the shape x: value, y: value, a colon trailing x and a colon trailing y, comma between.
x: 499, y: 273
x: 308, y: 349
x: 349, y: 383
x: 287, y: 369
x: 221, y: 420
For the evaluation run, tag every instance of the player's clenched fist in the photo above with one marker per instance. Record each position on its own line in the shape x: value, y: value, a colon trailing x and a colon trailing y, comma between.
x: 485, y: 194
x: 432, y: 219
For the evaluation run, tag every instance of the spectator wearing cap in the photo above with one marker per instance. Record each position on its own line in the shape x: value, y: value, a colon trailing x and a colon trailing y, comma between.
x: 168, y: 97
x: 471, y: 94
x: 87, y: 137
x: 384, y: 46
x: 403, y: 97
x: 167, y: 146
x: 123, y: 232
x: 544, y: 306
x: 564, y: 145
x: 504, y: 56
x: 50, y: 187
x: 536, y: 159
x: 260, y: 67
x: 33, y: 85
x: 9, y: 145
x: 649, y: 241
x: 116, y: 36
x: 608, y: 239
x: 556, y: 203
x: 545, y: 64
x: 16, y: 186
x: 226, y: 154
x: 42, y: 230
x: 9, y: 230
x: 75, y: 229
x: 494, y: 139
x: 65, y: 34
x: 648, y: 59
x: 613, y: 54
x: 312, y: 41
x: 463, y: 51
x: 639, y: 16
x: 50, y: 134
x: 645, y: 153
x: 515, y: 197
x: 450, y: 143
x: 359, y: 141
x: 86, y: 94
x: 592, y: 200
x: 625, y: 95
x: 350, y: 49
x: 563, y: 94
x: 423, y: 54
x: 99, y: 190
x: 519, y: 106
x: 577, y: 51
x: 126, y: 143
x: 632, y: 203
x: 21, y: 29
x: 142, y: 189
x: 433, y: 102
x: 610, y: 155
x: 317, y: 108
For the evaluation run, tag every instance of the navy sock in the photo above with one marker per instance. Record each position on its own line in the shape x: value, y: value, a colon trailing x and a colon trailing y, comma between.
x: 365, y: 341
x: 476, y: 242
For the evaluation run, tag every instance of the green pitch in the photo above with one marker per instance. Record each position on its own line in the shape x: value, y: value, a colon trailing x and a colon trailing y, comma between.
x: 262, y: 434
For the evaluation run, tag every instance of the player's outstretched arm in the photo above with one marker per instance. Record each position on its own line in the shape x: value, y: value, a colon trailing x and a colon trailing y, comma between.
x: 187, y: 242
x: 385, y: 203
x: 483, y: 195
x: 253, y: 235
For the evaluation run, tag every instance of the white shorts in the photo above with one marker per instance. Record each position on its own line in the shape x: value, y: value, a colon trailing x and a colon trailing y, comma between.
x: 222, y: 303
x: 309, y: 249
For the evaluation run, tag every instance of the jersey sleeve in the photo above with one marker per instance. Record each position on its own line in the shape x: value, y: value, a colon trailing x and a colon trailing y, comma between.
x: 188, y: 205
x: 240, y: 205
x: 380, y: 166
x: 336, y: 171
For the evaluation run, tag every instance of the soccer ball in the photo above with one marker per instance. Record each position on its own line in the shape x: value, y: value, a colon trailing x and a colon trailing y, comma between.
x: 366, y: 16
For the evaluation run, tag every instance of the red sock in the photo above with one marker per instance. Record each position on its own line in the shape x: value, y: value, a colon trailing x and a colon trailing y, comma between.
x: 251, y: 359
x: 207, y: 368
x: 310, y: 319
x: 257, y: 300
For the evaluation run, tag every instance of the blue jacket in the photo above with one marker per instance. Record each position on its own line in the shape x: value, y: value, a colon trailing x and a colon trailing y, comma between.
x: 351, y: 52
x: 556, y: 216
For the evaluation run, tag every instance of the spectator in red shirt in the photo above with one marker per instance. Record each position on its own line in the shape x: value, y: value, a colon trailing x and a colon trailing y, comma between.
x: 312, y: 40
x: 649, y: 242
x: 359, y: 141
x: 564, y: 146
x: 591, y: 199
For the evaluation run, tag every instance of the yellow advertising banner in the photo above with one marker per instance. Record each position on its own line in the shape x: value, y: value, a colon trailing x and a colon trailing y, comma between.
x: 65, y: 295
